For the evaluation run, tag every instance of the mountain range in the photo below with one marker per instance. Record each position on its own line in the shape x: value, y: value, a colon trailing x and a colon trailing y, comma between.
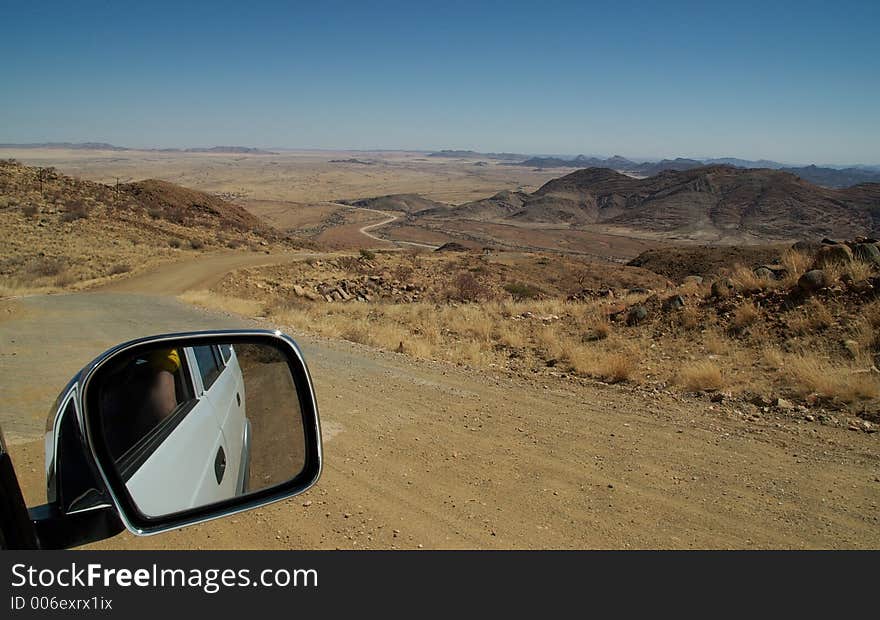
x: 820, y: 175
x: 718, y: 202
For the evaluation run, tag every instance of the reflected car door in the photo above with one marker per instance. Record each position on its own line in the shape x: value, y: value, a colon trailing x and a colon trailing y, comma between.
x: 193, y: 454
x: 224, y: 388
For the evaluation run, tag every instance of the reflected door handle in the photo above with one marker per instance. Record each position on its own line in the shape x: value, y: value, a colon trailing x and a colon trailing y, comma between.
x: 220, y: 465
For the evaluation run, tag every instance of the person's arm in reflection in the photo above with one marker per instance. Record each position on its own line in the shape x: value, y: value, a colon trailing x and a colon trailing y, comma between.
x: 161, y: 397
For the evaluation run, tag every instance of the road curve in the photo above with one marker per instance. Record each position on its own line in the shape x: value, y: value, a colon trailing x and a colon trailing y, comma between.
x: 195, y: 274
x: 365, y: 230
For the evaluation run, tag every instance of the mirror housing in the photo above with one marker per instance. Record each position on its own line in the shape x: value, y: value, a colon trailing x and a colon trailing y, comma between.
x: 87, y: 498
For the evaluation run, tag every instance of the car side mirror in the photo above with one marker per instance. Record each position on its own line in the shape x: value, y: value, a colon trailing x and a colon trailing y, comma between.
x: 177, y: 429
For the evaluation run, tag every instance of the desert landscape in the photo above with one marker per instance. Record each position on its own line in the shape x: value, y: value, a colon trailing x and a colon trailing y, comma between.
x: 508, y: 353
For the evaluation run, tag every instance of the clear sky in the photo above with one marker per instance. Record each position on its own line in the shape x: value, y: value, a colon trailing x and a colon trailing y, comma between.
x: 792, y: 81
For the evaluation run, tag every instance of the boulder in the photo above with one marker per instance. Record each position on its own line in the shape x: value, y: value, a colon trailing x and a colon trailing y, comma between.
x: 764, y: 273
x: 814, y: 280
x: 806, y: 247
x: 771, y: 272
x: 676, y: 302
x: 636, y: 315
x: 832, y: 254
x: 867, y: 253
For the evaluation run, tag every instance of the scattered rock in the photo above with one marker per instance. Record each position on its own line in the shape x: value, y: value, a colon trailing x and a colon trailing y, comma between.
x: 695, y: 279
x: 722, y: 288
x: 783, y: 404
x: 814, y: 280
x: 867, y: 252
x: 636, y: 315
x: 832, y: 254
x: 676, y: 302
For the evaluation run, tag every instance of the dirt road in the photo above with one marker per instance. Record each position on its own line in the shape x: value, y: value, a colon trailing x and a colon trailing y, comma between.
x: 429, y: 455
x: 389, y: 217
x: 196, y: 274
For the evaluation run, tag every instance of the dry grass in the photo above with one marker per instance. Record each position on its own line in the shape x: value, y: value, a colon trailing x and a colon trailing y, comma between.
x: 744, y: 316
x: 612, y: 366
x: 715, y: 343
x: 745, y: 280
x: 689, y: 318
x: 213, y: 301
x: 700, y: 376
x: 814, y: 317
x: 810, y: 374
x: 795, y: 264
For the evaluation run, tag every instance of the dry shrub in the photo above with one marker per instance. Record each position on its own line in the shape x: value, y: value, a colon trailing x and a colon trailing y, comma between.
x: 772, y: 357
x: 616, y: 367
x: 594, y: 325
x: 29, y: 210
x: 196, y: 244
x: 744, y: 316
x: 864, y: 334
x: 175, y: 243
x: 715, y: 343
x: 700, y: 376
x: 45, y: 267
x: 689, y: 317
x: 511, y: 336
x: 809, y: 374
x: 859, y: 270
x: 348, y: 263
x: 65, y: 279
x: 795, y: 264
x: 75, y: 211
x: 521, y: 291
x: 612, y: 366
x: 871, y: 313
x: 466, y: 287
x: 119, y: 268
x: 745, y: 280
x: 814, y: 317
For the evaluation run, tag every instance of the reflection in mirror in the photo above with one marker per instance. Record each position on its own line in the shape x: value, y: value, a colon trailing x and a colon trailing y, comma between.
x: 191, y: 426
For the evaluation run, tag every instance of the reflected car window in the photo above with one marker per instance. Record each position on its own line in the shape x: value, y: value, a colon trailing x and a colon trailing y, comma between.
x: 209, y: 363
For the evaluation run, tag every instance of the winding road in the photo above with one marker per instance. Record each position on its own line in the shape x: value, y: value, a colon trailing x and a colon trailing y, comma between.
x: 365, y: 230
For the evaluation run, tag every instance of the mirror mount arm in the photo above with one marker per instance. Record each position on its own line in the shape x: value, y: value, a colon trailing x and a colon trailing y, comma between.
x: 55, y: 530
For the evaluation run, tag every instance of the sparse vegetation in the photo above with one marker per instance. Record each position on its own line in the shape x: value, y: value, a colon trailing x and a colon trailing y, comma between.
x: 521, y: 291
x: 700, y: 376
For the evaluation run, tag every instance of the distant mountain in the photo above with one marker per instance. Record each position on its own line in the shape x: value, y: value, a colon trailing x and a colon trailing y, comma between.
x: 103, y: 146
x: 83, y: 146
x: 477, y: 155
x: 744, y: 163
x: 833, y: 177
x: 825, y: 176
x: 234, y: 150
x: 705, y: 203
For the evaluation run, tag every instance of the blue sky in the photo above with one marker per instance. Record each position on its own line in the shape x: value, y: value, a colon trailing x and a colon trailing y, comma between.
x: 793, y: 81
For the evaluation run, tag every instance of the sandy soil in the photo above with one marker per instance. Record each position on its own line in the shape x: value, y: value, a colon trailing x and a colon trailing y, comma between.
x: 422, y: 454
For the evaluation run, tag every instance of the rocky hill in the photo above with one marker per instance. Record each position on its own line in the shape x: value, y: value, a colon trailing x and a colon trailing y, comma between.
x: 716, y: 203
x: 60, y: 231
x: 819, y: 175
x: 407, y: 203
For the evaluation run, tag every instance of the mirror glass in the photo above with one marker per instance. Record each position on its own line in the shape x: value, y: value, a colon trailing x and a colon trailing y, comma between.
x: 189, y: 426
